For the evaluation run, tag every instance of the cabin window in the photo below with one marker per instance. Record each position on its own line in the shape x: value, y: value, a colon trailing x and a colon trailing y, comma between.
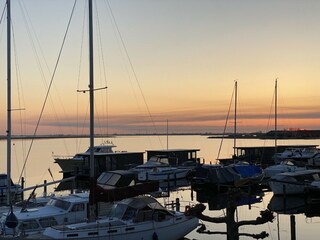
x: 132, y: 183
x: 47, y: 222
x: 118, y: 210
x: 104, y: 177
x: 78, y: 207
x: 114, y: 179
x: 3, y: 182
x: 60, y: 204
x: 129, y: 214
x: 192, y: 155
x: 28, y: 225
x: 160, y: 216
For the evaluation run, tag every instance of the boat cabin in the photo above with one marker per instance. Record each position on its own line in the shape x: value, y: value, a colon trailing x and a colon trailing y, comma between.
x: 15, y: 194
x: 263, y: 155
x: 104, y: 161
x: 176, y: 157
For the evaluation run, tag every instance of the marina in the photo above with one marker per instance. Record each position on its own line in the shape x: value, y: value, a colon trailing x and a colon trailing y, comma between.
x: 248, y: 208
x: 85, y: 161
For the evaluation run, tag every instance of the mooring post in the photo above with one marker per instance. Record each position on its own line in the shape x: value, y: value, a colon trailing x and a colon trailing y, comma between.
x: 45, y: 188
x: 177, y: 204
x: 293, y: 227
x: 22, y: 187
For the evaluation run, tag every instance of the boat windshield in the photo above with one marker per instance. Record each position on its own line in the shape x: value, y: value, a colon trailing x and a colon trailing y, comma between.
x: 59, y: 203
x: 158, y: 160
x: 108, y: 178
x: 118, y: 210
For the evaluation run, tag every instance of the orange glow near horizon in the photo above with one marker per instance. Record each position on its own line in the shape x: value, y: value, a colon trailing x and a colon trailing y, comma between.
x: 170, y: 65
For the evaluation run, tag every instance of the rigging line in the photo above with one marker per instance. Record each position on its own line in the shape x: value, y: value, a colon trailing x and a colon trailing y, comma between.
x: 20, y: 95
x: 47, y: 94
x: 3, y: 12
x: 26, y: 17
x: 39, y: 53
x: 268, y: 123
x: 125, y: 66
x: 226, y: 122
x: 133, y: 71
x: 78, y: 141
x: 103, y: 62
x: 31, y: 31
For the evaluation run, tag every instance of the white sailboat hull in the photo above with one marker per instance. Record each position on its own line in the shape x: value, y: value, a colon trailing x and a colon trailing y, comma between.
x: 171, y: 229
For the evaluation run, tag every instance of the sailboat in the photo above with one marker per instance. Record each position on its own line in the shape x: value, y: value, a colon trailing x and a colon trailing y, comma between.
x: 133, y: 218
x: 221, y: 177
x: 286, y: 164
x: 9, y: 192
x: 22, y: 219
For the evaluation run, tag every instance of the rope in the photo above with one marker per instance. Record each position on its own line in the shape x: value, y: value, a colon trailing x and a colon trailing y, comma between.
x: 3, y: 12
x: 47, y: 94
x: 225, y: 125
x: 133, y: 71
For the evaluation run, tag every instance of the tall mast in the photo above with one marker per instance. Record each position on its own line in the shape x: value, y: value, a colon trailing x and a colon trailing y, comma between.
x: 235, y: 117
x: 167, y: 134
x: 91, y: 92
x: 275, y: 114
x: 91, y: 87
x: 9, y: 102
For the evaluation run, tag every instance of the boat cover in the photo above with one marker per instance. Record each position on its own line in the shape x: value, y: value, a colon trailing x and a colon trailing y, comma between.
x: 223, y: 175
x: 247, y: 171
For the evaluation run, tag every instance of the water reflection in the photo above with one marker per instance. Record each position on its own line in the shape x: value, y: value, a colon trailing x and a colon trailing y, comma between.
x: 307, y: 205
x: 230, y: 201
x: 235, y: 197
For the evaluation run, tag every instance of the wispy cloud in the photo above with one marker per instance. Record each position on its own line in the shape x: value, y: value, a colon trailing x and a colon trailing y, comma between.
x: 180, y: 121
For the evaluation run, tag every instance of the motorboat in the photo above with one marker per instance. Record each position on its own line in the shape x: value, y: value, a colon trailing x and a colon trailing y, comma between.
x: 293, y: 182
x: 59, y: 209
x: 157, y: 168
x: 140, y: 217
x: 296, y: 153
x: 105, y: 159
x: 284, y: 166
x: 111, y: 186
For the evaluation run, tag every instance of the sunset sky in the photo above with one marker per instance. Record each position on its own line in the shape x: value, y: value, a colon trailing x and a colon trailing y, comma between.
x: 173, y: 60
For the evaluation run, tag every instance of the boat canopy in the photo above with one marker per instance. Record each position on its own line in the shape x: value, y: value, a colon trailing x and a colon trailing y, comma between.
x: 139, y: 209
x: 142, y: 202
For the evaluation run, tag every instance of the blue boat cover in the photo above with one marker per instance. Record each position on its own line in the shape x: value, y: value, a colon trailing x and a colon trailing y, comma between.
x: 247, y: 170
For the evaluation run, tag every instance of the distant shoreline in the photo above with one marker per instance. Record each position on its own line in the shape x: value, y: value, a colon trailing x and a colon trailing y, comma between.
x: 2, y: 137
x: 284, y: 134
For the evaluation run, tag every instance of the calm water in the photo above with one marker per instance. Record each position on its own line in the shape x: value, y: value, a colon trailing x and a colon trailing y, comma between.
x: 41, y: 159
